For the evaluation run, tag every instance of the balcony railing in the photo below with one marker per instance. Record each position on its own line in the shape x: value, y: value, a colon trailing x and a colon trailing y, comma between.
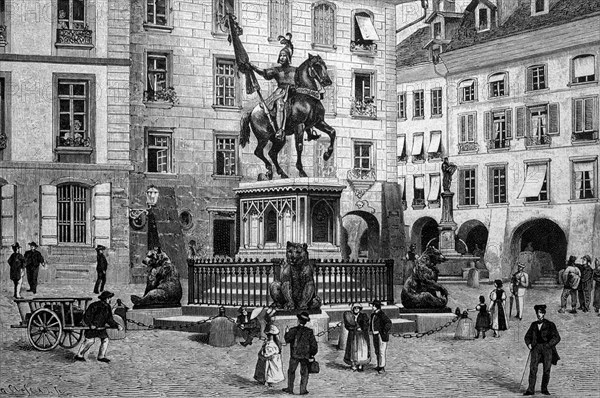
x: 542, y: 140
x: 74, y: 36
x: 3, y: 140
x: 468, y: 147
x: 498, y: 144
x: 73, y: 142
x: 367, y: 47
x: 366, y: 108
x: 243, y: 282
x: 361, y: 180
x: 3, y: 35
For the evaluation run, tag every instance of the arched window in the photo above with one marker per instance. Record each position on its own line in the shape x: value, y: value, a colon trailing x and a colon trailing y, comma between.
x: 322, y: 223
x: 270, y: 225
x: 323, y: 25
x: 363, y: 34
x: 498, y: 83
x: 73, y: 209
x: 583, y: 69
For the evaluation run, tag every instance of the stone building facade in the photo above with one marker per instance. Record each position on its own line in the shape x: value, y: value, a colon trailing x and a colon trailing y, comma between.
x: 64, y: 152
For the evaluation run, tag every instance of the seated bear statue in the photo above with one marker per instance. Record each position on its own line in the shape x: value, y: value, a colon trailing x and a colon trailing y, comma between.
x: 163, y: 288
x: 294, y: 288
x: 422, y: 289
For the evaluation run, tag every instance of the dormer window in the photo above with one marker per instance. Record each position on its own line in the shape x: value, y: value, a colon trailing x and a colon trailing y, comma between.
x: 539, y: 7
x: 484, y: 20
x: 437, y: 31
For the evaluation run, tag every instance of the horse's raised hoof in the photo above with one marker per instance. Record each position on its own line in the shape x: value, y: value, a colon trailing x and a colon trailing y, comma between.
x: 301, y: 173
x: 327, y: 154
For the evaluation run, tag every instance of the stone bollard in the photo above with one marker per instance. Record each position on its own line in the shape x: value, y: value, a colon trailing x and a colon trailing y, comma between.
x: 473, y: 278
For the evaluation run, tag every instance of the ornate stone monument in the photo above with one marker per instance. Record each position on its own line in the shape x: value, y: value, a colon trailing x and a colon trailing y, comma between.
x: 447, y: 226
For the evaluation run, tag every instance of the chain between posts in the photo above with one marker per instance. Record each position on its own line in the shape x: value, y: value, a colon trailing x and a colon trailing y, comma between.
x: 187, y: 325
x: 427, y: 333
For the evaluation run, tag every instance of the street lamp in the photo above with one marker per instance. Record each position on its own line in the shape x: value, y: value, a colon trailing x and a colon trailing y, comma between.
x: 137, y: 217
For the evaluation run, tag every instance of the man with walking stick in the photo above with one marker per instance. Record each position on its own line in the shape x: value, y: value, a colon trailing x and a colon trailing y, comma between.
x: 541, y: 339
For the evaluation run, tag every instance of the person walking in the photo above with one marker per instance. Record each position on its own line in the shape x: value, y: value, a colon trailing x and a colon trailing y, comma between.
x: 483, y: 321
x: 33, y: 260
x: 596, y: 277
x: 380, y: 327
x: 16, y: 261
x: 570, y: 278
x: 498, y: 310
x: 358, y: 347
x: 269, y: 368
x: 520, y: 283
x: 541, y: 339
x: 303, y: 348
x: 97, y: 316
x: 101, y: 267
x: 586, y: 283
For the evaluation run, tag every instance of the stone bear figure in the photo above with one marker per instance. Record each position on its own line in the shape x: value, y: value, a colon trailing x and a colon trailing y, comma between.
x: 295, y: 288
x: 163, y: 288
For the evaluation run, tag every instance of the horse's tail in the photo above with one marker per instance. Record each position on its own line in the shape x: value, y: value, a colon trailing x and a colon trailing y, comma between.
x: 245, y: 128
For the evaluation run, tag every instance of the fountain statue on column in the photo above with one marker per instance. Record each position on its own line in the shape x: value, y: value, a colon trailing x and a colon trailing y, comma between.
x: 447, y: 225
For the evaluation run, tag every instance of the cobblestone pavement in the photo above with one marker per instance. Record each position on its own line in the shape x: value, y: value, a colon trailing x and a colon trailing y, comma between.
x: 157, y: 363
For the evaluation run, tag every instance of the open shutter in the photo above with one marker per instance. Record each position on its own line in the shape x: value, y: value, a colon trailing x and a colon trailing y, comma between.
x: 462, y: 129
x: 578, y: 115
x: 508, y: 118
x: 487, y: 128
x: 520, y: 133
x: 529, y: 79
x: 8, y: 226
x: 472, y: 132
x: 588, y: 114
x: 553, y: 119
x: 48, y: 215
x: 101, y: 211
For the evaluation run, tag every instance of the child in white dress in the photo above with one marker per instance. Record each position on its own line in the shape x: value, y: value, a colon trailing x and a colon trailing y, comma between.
x: 269, y: 369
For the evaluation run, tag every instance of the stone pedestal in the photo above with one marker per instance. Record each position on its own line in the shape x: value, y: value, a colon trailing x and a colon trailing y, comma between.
x: 318, y: 323
x: 447, y: 227
x: 431, y: 321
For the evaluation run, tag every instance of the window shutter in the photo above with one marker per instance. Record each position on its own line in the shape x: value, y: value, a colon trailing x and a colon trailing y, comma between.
x: 553, y: 119
x: 529, y: 79
x: 475, y: 90
x: 48, y: 215
x: 578, y: 115
x: 508, y: 116
x: 588, y: 114
x: 520, y: 133
x: 471, y: 128
x: 8, y: 225
x: 487, y: 127
x: 462, y: 128
x: 101, y: 211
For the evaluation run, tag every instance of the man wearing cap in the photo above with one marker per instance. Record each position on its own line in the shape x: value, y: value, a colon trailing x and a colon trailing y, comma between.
x: 541, y: 338
x: 33, y: 260
x: 97, y: 316
x: 570, y: 278
x: 101, y: 267
x: 519, y: 282
x: 380, y: 326
x: 16, y: 261
x: 303, y: 348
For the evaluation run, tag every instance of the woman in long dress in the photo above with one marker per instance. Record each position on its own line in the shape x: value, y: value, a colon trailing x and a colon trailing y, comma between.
x: 358, y: 347
x: 269, y: 368
x: 498, y: 309
x: 482, y: 323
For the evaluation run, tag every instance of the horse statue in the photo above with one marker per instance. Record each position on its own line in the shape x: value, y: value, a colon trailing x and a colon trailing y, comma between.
x: 305, y: 111
x: 421, y: 289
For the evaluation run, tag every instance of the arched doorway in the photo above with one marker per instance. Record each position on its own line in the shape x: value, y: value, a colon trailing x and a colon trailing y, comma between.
x: 425, y: 231
x: 547, y: 243
x: 475, y: 235
x: 361, y: 236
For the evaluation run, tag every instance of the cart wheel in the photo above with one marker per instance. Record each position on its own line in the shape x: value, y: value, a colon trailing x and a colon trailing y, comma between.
x: 45, y: 329
x: 71, y: 338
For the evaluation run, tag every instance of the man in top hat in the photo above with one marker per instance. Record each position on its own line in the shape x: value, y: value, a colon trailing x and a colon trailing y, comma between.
x: 303, y: 348
x: 101, y: 267
x: 541, y: 338
x: 33, y: 260
x: 380, y: 327
x: 97, y: 316
x: 284, y: 75
x: 519, y: 284
x: 16, y: 261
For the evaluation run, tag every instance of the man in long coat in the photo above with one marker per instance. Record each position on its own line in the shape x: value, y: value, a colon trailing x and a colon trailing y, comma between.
x: 541, y: 338
x: 380, y: 326
x: 303, y: 348
x: 101, y: 267
x: 33, y: 260
x: 16, y: 261
x: 520, y: 283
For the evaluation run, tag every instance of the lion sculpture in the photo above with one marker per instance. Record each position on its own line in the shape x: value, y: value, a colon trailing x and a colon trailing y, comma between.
x: 163, y: 288
x: 421, y: 289
x: 294, y: 288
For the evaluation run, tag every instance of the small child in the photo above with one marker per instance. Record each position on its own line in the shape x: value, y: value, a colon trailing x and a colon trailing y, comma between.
x: 483, y: 321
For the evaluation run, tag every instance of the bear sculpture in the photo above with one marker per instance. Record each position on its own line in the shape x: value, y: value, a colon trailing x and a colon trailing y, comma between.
x: 422, y: 289
x: 294, y: 288
x: 163, y: 288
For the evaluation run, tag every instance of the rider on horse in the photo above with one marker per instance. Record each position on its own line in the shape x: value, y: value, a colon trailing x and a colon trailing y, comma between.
x: 284, y: 75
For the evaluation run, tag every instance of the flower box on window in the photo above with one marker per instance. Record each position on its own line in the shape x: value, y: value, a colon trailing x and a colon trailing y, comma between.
x: 364, y: 47
x: 434, y: 155
x: 542, y: 140
x: 3, y: 41
x: 584, y: 136
x: 434, y: 204
x: 498, y: 144
x: 81, y: 37
x: 418, y: 204
x: 468, y: 147
x: 366, y: 108
x: 163, y: 95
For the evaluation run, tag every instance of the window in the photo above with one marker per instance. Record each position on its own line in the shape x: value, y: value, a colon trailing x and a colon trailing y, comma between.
x: 436, y: 102
x: 539, y: 7
x: 157, y: 13
x: 401, y: 148
x: 220, y: 8
x: 363, y: 161
x: 583, y: 69
x: 402, y: 106
x: 363, y: 33
x: 498, y: 128
x: 330, y: 98
x: 226, y: 156
x: 536, y: 78
x: 72, y: 24
x: 3, y: 118
x: 159, y: 151
x: 158, y: 77
x: 583, y: 177
x: 271, y: 225
x: 363, y: 103
x: 468, y: 188
x: 536, y: 187
x: 419, y: 192
x: 418, y: 104
x: 467, y: 138
x: 322, y: 223
x: 71, y: 15
x: 417, y: 148
x: 3, y: 23
x: 434, y: 151
x: 437, y: 30
x: 497, y: 184
x: 279, y: 18
x: 483, y: 19
x: 467, y: 90
x: 434, y: 190
x: 72, y: 213
x: 323, y: 25
x: 585, y: 118
x: 225, y: 83
x: 498, y: 85
x: 538, y: 123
